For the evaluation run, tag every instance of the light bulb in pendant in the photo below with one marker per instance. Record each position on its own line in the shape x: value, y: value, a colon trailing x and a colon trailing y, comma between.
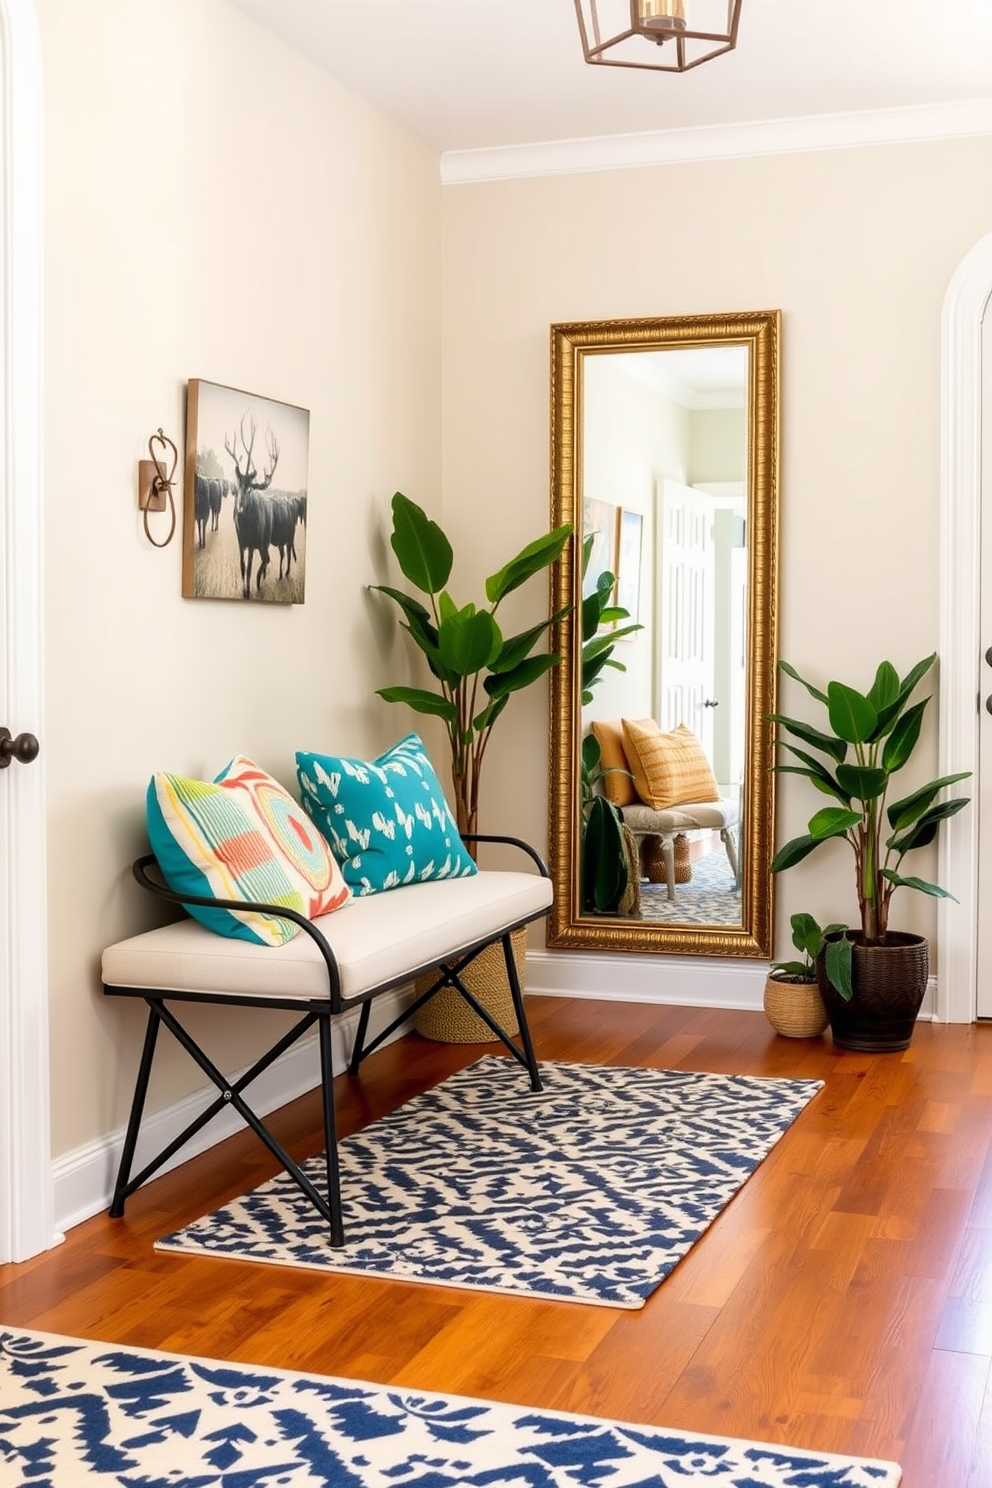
x: 662, y: 17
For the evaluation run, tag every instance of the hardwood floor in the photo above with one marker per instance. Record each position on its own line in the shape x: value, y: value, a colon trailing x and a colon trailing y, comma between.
x: 843, y: 1301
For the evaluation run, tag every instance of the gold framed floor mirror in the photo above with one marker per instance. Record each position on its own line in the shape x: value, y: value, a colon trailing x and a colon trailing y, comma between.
x: 665, y: 457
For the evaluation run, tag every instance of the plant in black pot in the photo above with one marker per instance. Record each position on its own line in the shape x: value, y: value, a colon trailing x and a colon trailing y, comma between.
x: 872, y: 979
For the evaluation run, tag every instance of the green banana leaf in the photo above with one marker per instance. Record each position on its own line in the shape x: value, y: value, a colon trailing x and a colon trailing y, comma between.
x: 422, y: 550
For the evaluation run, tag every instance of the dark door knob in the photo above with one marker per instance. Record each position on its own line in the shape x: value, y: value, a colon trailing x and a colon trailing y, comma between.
x: 711, y: 703
x: 24, y: 748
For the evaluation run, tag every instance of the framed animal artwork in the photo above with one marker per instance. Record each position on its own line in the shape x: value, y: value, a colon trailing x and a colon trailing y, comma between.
x: 245, y: 506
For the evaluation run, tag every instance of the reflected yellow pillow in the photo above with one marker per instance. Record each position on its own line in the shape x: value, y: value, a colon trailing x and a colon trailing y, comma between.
x: 617, y: 788
x: 669, y: 769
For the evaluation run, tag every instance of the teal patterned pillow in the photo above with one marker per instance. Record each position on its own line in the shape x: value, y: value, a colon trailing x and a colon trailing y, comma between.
x: 386, y: 820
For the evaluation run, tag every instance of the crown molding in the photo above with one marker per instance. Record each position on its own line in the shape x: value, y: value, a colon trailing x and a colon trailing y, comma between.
x: 720, y: 142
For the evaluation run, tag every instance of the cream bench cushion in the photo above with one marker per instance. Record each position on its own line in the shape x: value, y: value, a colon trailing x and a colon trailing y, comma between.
x: 378, y: 941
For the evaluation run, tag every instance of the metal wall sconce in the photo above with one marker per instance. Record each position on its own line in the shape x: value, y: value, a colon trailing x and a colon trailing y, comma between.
x: 155, y: 485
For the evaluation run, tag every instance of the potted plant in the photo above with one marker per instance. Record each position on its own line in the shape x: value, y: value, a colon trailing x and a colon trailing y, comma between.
x: 793, y: 1005
x: 872, y: 978
x: 476, y: 670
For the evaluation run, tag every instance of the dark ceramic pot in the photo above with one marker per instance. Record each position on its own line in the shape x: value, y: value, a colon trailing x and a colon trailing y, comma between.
x: 890, y: 981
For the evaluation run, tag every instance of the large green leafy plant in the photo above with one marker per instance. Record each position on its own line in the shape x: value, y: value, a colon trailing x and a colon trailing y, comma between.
x: 871, y: 737
x: 476, y: 667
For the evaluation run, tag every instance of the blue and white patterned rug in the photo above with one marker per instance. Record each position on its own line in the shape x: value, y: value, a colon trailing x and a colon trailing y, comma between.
x: 590, y: 1191
x: 709, y: 898
x: 73, y: 1414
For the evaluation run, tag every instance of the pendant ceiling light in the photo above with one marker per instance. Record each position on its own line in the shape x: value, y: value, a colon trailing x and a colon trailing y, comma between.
x: 660, y: 35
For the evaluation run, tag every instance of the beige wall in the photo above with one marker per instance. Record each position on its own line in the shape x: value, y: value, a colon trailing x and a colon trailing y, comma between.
x: 215, y: 208
x: 856, y: 248
x: 719, y: 439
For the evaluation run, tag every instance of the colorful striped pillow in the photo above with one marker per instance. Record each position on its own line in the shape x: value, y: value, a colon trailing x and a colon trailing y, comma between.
x: 669, y: 769
x: 242, y: 836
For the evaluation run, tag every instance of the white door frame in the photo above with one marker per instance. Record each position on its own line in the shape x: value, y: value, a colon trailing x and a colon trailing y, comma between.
x: 27, y: 1207
x: 960, y: 622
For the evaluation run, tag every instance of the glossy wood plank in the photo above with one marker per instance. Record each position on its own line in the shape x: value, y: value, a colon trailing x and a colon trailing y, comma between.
x: 843, y: 1300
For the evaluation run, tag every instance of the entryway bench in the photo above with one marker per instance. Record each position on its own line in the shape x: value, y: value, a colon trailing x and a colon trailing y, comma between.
x: 340, y: 962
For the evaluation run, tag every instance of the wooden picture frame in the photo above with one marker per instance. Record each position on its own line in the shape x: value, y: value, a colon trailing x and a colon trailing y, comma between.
x: 245, y: 504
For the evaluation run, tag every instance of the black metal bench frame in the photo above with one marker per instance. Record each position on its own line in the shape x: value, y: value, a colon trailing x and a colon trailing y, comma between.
x: 317, y: 1012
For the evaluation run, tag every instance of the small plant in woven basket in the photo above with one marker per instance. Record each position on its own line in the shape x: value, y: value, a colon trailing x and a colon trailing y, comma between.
x: 792, y: 1002
x: 809, y: 940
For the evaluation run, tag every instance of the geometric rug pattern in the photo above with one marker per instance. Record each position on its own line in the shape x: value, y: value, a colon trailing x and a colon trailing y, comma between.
x: 711, y: 896
x: 76, y: 1415
x: 589, y: 1191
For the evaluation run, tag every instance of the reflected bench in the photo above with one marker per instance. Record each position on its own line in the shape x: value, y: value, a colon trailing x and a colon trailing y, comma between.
x: 721, y: 816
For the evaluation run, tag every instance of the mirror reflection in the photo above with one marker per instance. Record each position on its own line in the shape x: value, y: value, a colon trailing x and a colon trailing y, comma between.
x: 665, y: 458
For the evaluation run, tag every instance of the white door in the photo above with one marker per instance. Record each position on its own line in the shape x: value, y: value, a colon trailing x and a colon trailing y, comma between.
x: 26, y: 1196
x: 730, y: 628
x: 982, y: 786
x: 684, y: 684
x: 965, y: 621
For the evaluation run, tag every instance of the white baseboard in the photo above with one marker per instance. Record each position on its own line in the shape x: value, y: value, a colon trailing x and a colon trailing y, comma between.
x: 666, y: 980
x: 84, y: 1179
x: 691, y: 981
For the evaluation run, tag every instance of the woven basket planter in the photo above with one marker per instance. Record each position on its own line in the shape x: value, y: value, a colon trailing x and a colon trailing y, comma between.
x: 794, y: 1009
x: 653, y: 859
x: 890, y: 982
x: 448, y: 1019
